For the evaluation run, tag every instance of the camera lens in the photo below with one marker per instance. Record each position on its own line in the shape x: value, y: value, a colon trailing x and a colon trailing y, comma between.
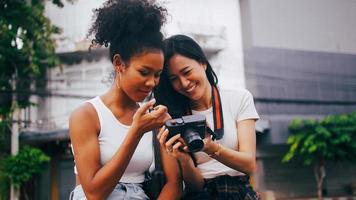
x: 193, y: 139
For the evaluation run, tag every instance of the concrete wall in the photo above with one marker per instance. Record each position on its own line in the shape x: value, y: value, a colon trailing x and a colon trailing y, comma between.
x: 300, y: 62
x: 312, y: 25
x: 290, y: 83
x: 300, y: 59
x: 83, y: 75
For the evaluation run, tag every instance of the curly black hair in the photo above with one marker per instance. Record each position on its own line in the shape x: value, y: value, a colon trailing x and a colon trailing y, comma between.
x: 128, y: 27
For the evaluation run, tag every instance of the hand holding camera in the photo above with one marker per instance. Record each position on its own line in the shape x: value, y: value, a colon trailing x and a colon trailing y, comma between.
x: 191, y: 128
x: 175, y: 146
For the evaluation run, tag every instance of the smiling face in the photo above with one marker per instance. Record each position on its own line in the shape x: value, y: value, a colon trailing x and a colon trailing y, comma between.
x: 188, y: 77
x: 138, y: 78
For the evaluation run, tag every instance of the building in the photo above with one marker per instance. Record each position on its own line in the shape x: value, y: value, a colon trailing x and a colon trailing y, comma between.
x: 298, y: 58
x: 300, y: 62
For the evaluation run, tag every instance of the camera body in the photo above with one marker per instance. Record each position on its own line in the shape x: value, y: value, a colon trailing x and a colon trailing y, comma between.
x: 192, y: 129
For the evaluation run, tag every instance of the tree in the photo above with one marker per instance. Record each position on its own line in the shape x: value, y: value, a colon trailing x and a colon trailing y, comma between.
x: 27, y: 50
x: 21, y: 167
x: 332, y: 138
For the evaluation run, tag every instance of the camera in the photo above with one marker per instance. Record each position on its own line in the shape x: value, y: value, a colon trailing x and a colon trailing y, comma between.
x: 192, y: 129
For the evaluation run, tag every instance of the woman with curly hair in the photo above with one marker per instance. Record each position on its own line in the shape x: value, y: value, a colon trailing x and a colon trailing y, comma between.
x: 188, y: 85
x: 111, y: 134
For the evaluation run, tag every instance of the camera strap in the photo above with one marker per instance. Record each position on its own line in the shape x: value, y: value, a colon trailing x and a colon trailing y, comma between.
x: 218, y: 132
x: 217, y: 114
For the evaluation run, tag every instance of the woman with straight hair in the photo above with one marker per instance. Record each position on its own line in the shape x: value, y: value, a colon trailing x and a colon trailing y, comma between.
x: 188, y: 86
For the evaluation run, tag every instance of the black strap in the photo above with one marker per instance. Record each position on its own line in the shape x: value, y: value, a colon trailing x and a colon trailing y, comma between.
x: 156, y: 150
x: 157, y: 179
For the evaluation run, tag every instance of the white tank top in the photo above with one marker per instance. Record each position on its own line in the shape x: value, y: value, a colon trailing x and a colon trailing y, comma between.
x: 112, y: 134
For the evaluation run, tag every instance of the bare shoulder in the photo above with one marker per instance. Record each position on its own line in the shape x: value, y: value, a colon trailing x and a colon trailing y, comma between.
x: 84, y: 119
x: 86, y: 111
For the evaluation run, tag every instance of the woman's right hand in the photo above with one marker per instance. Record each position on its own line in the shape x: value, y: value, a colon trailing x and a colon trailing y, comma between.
x: 175, y: 146
x: 145, y: 121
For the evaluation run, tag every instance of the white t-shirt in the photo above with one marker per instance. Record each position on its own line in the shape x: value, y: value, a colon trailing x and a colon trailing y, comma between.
x: 112, y: 134
x: 237, y: 105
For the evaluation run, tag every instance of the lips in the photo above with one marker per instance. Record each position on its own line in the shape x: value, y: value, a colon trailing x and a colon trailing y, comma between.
x: 190, y: 89
x: 146, y: 92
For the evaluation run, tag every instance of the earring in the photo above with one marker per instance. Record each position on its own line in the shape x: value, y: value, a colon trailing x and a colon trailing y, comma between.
x: 117, y: 85
x: 117, y: 81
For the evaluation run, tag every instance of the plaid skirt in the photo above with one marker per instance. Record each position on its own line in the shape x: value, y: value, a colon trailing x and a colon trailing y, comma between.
x: 225, y: 187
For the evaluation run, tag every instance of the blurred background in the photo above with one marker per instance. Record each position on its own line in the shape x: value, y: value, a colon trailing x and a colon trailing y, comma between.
x: 297, y: 58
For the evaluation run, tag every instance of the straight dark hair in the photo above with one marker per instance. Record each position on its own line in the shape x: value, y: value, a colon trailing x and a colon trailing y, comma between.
x: 165, y: 94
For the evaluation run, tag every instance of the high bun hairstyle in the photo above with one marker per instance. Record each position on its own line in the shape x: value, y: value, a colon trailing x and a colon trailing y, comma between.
x: 128, y: 27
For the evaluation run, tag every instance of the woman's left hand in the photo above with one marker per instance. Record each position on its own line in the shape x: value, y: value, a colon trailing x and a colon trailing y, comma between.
x: 209, y: 145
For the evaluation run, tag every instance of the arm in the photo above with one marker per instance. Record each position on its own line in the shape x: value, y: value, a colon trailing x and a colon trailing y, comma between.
x: 244, y: 158
x: 190, y: 174
x: 99, y: 181
x: 173, y: 187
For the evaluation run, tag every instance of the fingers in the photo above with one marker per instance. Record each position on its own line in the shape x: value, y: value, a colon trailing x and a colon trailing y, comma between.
x: 158, y: 115
x: 207, y: 140
x: 167, y: 117
x: 147, y: 121
x: 169, y: 144
x: 144, y: 108
x: 182, y: 141
x: 162, y: 136
x: 161, y: 130
x: 158, y: 111
x: 183, y: 145
x: 176, y: 146
x: 172, y: 141
x: 186, y: 149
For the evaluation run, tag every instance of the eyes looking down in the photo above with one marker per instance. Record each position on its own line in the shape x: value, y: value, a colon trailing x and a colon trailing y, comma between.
x: 141, y: 74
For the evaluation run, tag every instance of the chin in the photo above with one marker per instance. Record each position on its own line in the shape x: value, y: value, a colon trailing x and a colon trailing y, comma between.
x: 139, y: 98
x: 196, y: 97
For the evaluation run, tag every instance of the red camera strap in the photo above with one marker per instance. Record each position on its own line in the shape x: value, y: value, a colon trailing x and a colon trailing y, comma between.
x: 218, y: 132
x: 217, y: 113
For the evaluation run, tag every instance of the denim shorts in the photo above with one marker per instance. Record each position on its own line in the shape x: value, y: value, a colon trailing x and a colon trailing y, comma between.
x: 122, y: 191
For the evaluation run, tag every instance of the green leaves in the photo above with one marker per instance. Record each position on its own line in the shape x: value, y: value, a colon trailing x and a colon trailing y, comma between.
x: 20, y: 168
x: 27, y: 48
x: 331, y: 138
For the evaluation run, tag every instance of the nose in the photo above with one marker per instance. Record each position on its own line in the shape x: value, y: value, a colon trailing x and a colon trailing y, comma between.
x: 151, y: 82
x: 184, y: 82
